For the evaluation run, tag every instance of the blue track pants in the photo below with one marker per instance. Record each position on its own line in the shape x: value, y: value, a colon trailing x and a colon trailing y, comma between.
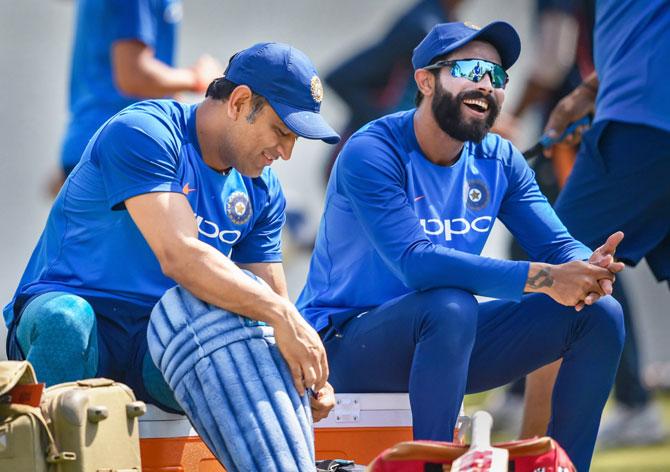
x: 440, y: 344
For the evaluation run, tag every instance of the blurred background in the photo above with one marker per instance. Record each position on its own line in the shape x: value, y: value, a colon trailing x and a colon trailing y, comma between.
x: 35, y: 49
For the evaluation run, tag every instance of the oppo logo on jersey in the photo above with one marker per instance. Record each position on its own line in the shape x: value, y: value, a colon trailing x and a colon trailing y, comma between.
x: 211, y: 230
x: 434, y: 227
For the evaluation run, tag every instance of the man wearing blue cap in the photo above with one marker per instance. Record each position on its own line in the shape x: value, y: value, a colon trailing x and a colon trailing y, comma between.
x: 167, y: 195
x: 410, y: 204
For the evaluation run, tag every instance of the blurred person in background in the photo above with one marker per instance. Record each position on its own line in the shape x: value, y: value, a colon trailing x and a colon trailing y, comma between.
x: 619, y: 182
x: 563, y: 57
x: 123, y: 52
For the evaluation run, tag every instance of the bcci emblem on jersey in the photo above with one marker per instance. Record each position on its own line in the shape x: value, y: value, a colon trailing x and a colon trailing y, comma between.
x: 477, y: 194
x: 238, y: 208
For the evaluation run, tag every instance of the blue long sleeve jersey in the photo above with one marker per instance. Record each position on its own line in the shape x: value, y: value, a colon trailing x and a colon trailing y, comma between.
x: 394, y: 222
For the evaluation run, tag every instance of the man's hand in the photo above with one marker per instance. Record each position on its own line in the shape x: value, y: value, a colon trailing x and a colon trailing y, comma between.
x: 302, y: 350
x: 206, y: 69
x: 580, y: 102
x: 604, y: 257
x: 568, y: 283
x: 322, y: 402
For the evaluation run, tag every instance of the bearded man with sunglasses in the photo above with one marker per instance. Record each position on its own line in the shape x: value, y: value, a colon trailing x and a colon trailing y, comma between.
x: 392, y: 282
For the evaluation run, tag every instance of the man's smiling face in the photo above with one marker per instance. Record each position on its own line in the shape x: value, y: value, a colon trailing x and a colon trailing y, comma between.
x: 463, y: 109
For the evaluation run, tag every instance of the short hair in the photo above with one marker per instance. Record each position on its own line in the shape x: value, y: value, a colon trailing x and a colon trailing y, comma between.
x: 418, y: 98
x: 221, y: 88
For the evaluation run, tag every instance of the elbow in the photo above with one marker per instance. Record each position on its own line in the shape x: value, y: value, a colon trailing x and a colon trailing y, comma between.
x: 413, y: 276
x: 414, y: 280
x: 172, y: 264
x: 170, y: 269
x: 414, y: 269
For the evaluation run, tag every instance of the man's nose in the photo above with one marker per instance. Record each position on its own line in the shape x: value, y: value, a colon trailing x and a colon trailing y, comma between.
x: 485, y: 84
x: 285, y: 149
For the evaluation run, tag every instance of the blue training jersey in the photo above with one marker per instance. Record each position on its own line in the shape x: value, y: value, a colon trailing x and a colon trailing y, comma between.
x: 91, y: 247
x: 394, y: 222
x: 93, y: 95
x: 632, y: 57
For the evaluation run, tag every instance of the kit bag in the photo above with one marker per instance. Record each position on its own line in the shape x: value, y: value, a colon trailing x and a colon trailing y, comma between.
x: 529, y: 455
x: 97, y: 419
x: 26, y: 444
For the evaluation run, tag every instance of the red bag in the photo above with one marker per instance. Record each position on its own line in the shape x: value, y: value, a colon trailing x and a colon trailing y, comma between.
x: 529, y: 455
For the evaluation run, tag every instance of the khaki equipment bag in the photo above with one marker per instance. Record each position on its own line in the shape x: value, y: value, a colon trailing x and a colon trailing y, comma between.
x: 26, y: 444
x: 97, y: 420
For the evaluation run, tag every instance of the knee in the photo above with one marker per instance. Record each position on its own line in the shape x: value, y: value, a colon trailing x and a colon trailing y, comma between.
x: 67, y: 314
x: 451, y: 312
x: 606, y: 317
x: 57, y: 334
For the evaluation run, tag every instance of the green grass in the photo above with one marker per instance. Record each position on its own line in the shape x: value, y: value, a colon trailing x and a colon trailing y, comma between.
x: 630, y: 459
x: 649, y: 458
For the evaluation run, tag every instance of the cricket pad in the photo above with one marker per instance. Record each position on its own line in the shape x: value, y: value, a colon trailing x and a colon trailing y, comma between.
x: 229, y: 377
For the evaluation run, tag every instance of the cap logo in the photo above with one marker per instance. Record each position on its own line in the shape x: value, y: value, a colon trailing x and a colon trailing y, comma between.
x: 472, y: 25
x: 316, y: 89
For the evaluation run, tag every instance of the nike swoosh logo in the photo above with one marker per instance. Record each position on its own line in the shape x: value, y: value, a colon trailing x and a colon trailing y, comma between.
x: 420, y: 197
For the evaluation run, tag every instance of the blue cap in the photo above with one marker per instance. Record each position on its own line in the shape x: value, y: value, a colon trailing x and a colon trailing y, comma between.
x: 447, y: 37
x: 288, y: 80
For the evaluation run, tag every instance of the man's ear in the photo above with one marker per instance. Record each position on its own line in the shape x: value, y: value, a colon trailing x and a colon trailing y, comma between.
x: 238, y: 102
x: 425, y: 81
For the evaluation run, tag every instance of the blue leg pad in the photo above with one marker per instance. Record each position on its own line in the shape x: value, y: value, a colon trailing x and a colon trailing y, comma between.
x: 230, y: 379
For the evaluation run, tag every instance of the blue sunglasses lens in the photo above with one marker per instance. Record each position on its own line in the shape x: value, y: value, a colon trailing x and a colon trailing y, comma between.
x: 476, y: 69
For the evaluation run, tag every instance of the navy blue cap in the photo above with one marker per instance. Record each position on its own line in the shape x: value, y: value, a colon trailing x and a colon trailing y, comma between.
x: 447, y: 37
x: 288, y: 80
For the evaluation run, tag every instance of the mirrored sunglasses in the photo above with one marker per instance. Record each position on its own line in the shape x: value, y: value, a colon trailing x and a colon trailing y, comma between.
x: 475, y: 70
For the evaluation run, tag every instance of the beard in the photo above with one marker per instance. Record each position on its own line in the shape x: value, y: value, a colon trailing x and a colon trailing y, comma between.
x: 447, y: 112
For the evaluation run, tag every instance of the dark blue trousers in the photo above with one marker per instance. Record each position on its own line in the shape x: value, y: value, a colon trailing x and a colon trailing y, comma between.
x: 440, y: 344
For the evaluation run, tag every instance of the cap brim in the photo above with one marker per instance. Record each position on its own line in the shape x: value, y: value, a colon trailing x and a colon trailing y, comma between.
x: 306, y: 124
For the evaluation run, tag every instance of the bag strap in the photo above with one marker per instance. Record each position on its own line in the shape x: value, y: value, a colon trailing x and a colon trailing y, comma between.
x: 54, y: 456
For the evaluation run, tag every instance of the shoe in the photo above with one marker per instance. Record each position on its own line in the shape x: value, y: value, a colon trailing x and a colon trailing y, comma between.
x: 638, y: 426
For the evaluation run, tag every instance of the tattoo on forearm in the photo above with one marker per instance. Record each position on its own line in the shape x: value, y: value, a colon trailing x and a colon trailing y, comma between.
x: 542, y: 279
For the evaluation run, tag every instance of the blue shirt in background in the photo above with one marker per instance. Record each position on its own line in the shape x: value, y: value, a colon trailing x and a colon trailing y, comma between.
x: 91, y: 247
x: 93, y: 95
x: 632, y: 57
x: 394, y: 222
